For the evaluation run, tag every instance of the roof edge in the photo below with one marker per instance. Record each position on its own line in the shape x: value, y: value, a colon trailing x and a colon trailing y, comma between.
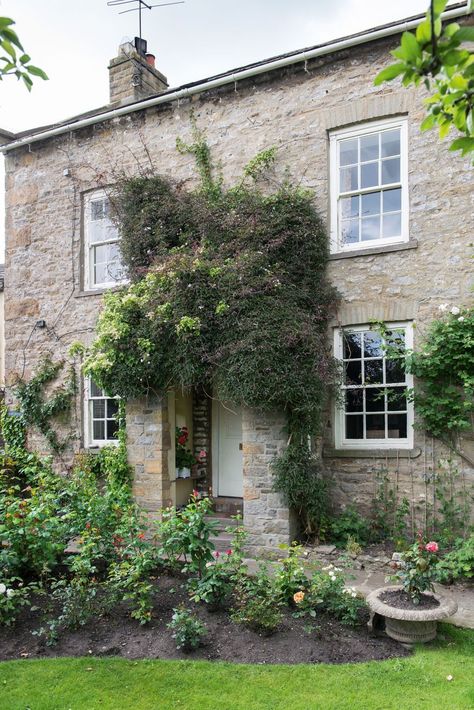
x: 231, y: 77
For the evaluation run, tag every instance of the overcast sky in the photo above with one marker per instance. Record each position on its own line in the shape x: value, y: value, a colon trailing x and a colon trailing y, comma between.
x: 73, y: 40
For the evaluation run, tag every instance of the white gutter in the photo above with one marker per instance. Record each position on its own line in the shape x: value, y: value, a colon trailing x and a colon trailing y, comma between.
x: 228, y: 79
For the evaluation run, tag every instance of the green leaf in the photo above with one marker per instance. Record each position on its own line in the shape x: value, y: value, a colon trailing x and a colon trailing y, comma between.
x: 459, y: 82
x: 465, y: 34
x: 11, y: 36
x: 444, y: 129
x: 24, y: 59
x: 428, y: 123
x: 439, y: 6
x: 451, y: 29
x: 410, y: 46
x: 423, y: 32
x: 389, y: 73
x: 36, y: 71
x: 465, y: 145
x: 27, y: 81
x: 8, y: 47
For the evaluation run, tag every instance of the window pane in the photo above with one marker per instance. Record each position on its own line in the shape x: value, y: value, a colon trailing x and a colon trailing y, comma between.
x: 397, y: 426
x: 349, y: 179
x: 373, y: 372
x: 350, y: 231
x: 99, y: 254
x: 369, y: 175
x: 112, y: 429
x: 95, y: 390
x: 375, y: 399
x: 394, y: 371
x: 348, y: 152
x: 100, y: 274
x: 353, y: 372
x: 391, y: 142
x: 392, y: 225
x: 98, y: 408
x: 396, y: 399
x: 97, y: 232
x: 375, y: 426
x: 392, y: 200
x: 98, y: 209
x: 395, y: 340
x: 369, y: 147
x: 352, y: 345
x: 114, y: 271
x: 349, y: 207
x: 372, y: 344
x: 370, y: 228
x: 371, y: 203
x: 390, y: 171
x: 354, y: 400
x: 98, y: 430
x: 112, y: 408
x: 355, y: 427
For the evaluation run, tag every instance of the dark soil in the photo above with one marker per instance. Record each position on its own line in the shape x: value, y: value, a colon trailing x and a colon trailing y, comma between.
x: 402, y: 600
x: 298, y: 640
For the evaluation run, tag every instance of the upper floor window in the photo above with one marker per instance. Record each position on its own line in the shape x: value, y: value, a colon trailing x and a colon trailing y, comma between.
x: 103, y: 267
x: 369, y: 185
x: 101, y: 414
x: 375, y: 410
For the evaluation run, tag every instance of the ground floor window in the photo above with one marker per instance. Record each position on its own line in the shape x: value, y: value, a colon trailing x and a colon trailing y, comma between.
x: 101, y: 415
x: 374, y: 410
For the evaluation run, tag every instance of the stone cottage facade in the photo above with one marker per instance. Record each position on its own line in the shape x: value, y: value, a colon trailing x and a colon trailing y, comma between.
x: 398, y: 207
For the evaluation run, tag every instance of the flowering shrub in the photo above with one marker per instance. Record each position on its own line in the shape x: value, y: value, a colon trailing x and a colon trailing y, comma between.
x: 290, y: 576
x: 417, y: 568
x: 328, y: 592
x: 13, y: 596
x: 217, y: 582
x: 184, y: 458
x: 187, y: 630
x: 459, y: 563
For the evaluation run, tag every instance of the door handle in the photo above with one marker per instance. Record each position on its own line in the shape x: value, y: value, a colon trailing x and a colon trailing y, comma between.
x: 240, y: 446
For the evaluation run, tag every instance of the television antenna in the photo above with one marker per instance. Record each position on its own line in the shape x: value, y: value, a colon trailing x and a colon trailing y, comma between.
x: 141, y: 4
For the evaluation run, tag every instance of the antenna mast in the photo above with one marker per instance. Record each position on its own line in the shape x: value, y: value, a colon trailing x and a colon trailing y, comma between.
x: 141, y: 5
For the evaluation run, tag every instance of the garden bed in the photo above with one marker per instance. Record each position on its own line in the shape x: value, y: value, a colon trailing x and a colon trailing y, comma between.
x: 298, y: 640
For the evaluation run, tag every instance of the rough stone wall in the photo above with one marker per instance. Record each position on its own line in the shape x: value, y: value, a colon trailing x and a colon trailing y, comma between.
x: 267, y: 519
x: 148, y: 443
x: 132, y: 79
x: 202, y: 436
x: 292, y: 109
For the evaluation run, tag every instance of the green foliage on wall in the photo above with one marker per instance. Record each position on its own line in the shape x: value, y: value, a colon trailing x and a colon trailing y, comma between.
x: 228, y: 291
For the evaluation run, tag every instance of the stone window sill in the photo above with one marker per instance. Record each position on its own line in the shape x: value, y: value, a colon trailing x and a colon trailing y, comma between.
x: 371, y: 453
x: 96, y: 292
x: 412, y: 244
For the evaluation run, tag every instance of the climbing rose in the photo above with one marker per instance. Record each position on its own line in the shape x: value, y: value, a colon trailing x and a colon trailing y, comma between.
x: 298, y: 597
x: 431, y: 547
x: 228, y: 552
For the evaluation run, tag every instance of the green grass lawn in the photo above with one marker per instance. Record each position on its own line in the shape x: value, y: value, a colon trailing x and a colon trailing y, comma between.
x: 114, y: 684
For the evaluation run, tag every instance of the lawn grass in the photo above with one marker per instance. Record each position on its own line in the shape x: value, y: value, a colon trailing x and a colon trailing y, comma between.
x: 414, y: 683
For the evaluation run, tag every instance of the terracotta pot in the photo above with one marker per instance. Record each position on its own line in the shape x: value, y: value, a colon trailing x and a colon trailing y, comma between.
x: 414, y: 625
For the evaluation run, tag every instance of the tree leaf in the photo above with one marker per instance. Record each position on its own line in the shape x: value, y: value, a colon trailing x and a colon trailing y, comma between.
x: 423, y: 32
x: 410, y: 46
x: 428, y: 122
x: 36, y: 71
x: 465, y: 145
x: 465, y: 34
x: 389, y: 73
x: 439, y: 6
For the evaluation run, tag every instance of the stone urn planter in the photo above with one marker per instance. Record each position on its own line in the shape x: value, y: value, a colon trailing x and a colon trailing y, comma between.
x: 410, y: 625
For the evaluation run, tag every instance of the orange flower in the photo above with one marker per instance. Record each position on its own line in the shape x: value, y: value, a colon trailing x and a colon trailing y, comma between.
x: 298, y: 597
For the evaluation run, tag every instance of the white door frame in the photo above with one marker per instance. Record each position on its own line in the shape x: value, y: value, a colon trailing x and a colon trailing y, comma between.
x: 215, y: 443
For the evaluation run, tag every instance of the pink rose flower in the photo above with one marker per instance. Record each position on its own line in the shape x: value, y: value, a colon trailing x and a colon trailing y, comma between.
x: 432, y: 547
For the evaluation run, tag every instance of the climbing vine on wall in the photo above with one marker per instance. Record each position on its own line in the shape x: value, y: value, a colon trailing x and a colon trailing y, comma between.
x: 228, y: 291
x: 40, y: 406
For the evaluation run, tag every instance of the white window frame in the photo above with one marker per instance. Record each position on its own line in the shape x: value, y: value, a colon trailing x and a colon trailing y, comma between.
x: 336, y: 245
x: 89, y: 441
x: 89, y: 245
x: 366, y: 444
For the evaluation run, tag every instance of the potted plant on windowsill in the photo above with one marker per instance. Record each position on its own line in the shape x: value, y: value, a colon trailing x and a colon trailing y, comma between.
x: 411, y: 609
x: 185, y: 460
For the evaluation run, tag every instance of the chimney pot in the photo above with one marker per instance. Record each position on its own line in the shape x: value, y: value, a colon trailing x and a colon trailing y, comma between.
x: 150, y: 59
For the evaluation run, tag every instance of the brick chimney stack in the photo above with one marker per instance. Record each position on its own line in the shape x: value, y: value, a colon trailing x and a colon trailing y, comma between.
x: 132, y: 76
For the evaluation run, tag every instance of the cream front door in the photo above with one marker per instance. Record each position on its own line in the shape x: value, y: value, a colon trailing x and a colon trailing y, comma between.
x: 227, y: 450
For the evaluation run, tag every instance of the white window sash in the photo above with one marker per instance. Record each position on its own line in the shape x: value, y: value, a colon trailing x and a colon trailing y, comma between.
x: 89, y: 246
x: 335, y: 195
x: 89, y: 440
x: 339, y: 420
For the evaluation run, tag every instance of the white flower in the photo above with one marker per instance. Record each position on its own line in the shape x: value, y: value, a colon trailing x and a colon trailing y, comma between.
x: 460, y: 319
x: 10, y: 593
x: 449, y: 677
x: 3, y: 588
x: 353, y: 595
x: 325, y: 569
x: 443, y: 307
x: 455, y: 310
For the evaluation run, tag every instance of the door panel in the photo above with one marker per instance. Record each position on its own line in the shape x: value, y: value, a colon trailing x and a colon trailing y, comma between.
x: 227, y: 453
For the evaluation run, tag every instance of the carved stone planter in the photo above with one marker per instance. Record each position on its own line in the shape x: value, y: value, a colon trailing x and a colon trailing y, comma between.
x: 410, y: 626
